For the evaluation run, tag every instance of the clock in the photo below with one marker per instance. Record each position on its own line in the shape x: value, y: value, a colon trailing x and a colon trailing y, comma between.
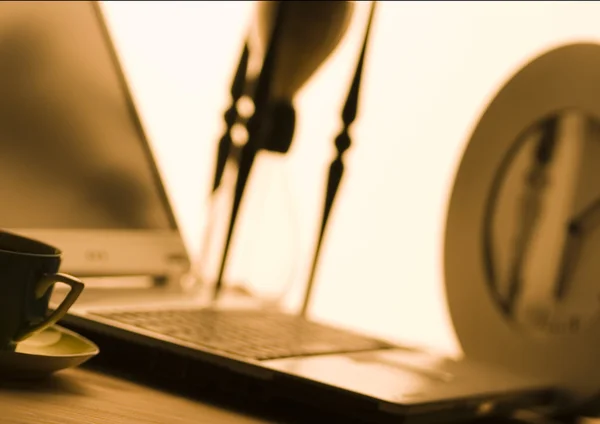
x: 542, y: 226
x: 522, y: 235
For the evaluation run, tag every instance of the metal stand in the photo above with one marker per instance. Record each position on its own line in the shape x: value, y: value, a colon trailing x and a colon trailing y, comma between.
x: 336, y: 169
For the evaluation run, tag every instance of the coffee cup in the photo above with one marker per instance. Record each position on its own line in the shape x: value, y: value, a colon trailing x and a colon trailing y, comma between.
x: 28, y: 273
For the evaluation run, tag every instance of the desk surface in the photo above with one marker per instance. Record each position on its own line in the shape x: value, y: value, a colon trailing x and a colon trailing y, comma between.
x: 81, y: 396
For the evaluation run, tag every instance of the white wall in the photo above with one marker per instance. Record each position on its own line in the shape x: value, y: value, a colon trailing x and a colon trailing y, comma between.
x: 432, y: 69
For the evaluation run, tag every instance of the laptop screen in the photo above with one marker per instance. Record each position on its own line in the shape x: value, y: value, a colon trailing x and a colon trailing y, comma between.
x: 76, y: 170
x: 72, y: 152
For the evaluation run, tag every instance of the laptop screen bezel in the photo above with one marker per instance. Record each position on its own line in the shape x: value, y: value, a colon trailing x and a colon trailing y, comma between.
x: 105, y: 252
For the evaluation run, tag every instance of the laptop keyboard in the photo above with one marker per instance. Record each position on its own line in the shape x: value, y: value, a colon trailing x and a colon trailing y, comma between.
x: 249, y: 334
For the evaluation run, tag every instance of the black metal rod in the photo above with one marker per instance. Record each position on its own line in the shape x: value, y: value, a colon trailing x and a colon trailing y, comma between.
x: 258, y: 130
x: 231, y: 116
x: 336, y: 170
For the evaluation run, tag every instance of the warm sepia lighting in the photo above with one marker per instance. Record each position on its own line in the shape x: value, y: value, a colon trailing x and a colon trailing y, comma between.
x: 432, y: 69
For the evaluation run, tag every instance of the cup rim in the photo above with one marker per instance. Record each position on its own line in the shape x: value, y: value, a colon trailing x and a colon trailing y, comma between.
x: 57, y: 251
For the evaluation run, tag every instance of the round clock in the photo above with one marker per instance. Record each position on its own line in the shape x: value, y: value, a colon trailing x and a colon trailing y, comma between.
x: 522, y: 242
x: 542, y: 226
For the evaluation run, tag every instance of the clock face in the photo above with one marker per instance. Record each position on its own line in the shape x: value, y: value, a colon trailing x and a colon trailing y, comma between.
x: 542, y: 235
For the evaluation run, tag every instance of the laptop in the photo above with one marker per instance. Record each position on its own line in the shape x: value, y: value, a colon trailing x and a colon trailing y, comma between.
x: 91, y: 187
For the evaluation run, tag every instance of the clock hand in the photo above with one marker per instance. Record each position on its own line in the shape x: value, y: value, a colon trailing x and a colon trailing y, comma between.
x: 577, y: 229
x: 530, y: 207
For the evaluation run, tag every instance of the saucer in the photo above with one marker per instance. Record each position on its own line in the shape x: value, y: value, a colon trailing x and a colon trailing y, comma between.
x: 44, y: 353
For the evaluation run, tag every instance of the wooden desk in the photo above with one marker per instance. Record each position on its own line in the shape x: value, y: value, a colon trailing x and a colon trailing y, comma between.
x: 80, y: 396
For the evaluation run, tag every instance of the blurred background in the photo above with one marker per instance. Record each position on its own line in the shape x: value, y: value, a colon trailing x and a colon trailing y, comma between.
x: 432, y: 69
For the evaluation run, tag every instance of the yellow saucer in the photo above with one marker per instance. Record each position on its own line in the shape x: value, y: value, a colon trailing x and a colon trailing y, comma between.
x: 42, y: 354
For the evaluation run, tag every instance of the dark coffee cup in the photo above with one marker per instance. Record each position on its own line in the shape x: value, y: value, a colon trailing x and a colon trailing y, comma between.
x: 28, y: 272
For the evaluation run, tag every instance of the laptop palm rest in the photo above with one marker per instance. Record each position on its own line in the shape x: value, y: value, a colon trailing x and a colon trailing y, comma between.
x: 409, y: 377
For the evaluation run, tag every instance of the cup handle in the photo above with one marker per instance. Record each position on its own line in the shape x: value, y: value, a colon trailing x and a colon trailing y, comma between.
x: 42, y: 287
